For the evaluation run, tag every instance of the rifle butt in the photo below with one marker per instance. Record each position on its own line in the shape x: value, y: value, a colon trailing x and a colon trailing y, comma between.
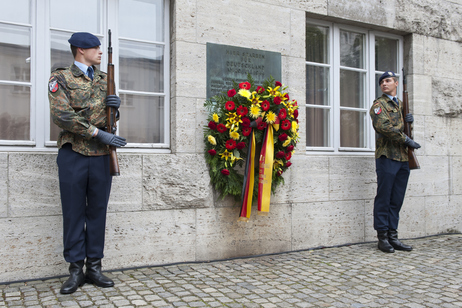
x: 413, y: 163
x: 113, y: 162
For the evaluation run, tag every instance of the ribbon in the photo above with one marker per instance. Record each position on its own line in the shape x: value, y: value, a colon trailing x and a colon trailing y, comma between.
x: 249, y: 178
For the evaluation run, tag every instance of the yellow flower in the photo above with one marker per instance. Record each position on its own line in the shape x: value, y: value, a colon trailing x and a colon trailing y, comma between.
x: 212, y: 140
x: 277, y: 163
x: 294, y: 126
x: 233, y: 120
x: 287, y: 142
x: 244, y: 93
x: 216, y: 118
x: 226, y: 154
x: 234, y: 134
x: 255, y: 99
x: 234, y: 158
x: 270, y: 117
x: 274, y: 92
x: 255, y: 111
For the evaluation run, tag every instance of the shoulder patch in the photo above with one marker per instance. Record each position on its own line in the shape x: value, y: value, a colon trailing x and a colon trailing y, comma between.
x: 53, y: 85
x: 378, y: 110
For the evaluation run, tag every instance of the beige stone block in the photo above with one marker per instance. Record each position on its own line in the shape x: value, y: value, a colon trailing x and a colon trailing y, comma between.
x: 126, y: 191
x: 254, y: 25
x: 3, y: 184
x: 442, y: 214
x: 370, y: 233
x: 414, y: 54
x: 31, y: 248
x: 201, y: 123
x: 375, y: 12
x: 145, y: 238
x: 310, y: 179
x: 412, y: 217
x: 33, y: 185
x: 327, y: 223
x: 190, y: 74
x: 352, y: 178
x: 312, y: 6
x: 455, y: 173
x: 297, y: 34
x: 437, y: 137
x: 431, y: 179
x: 184, y: 19
x: 220, y: 235
x: 455, y: 137
x: 184, y: 126
x: 442, y: 58
x: 420, y: 95
x: 175, y: 182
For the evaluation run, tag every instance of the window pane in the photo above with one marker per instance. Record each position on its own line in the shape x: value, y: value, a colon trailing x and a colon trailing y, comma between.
x: 317, y: 127
x: 15, y: 53
x: 142, y: 119
x: 78, y: 16
x: 386, y: 54
x: 352, y: 88
x: 352, y: 129
x: 21, y: 9
x: 142, y: 19
x: 141, y: 67
x: 317, y: 44
x: 317, y: 85
x: 15, y: 112
x: 61, y: 55
x: 351, y: 49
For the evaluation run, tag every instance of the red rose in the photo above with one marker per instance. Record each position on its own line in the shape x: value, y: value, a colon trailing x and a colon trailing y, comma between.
x: 286, y: 125
x: 260, y: 90
x: 288, y: 164
x: 288, y: 156
x: 225, y: 171
x: 242, y: 110
x: 279, y: 173
x: 290, y: 148
x: 212, y: 152
x: 262, y: 125
x: 245, y: 122
x: 282, y: 114
x: 231, y: 93
x: 230, y: 144
x: 230, y: 105
x: 278, y: 84
x: 295, y: 113
x: 277, y: 100
x: 212, y: 125
x: 282, y: 137
x: 280, y: 154
x: 246, y: 131
x: 240, y: 145
x: 244, y: 85
x: 221, y: 128
x: 286, y: 96
x: 265, y: 105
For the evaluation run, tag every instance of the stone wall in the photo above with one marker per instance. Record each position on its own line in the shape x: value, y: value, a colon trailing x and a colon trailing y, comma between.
x: 162, y: 207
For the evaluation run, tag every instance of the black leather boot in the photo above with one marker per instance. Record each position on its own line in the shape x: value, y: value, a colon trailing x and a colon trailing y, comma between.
x: 75, y: 280
x: 384, y: 245
x: 393, y: 240
x: 93, y: 274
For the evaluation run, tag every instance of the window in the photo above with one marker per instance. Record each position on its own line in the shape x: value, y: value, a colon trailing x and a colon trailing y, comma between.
x: 343, y: 64
x: 34, y: 40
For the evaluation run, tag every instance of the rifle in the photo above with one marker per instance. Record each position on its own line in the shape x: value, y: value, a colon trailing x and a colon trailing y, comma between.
x: 111, y: 112
x: 413, y: 163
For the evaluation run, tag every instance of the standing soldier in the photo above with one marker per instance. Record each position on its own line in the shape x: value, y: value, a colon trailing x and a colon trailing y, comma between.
x: 78, y: 102
x: 391, y: 159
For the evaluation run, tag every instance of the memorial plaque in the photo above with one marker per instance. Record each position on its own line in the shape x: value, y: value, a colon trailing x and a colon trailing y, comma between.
x: 226, y: 64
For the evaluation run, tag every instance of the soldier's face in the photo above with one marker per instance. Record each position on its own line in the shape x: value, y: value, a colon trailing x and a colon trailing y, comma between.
x: 389, y: 86
x: 92, y: 56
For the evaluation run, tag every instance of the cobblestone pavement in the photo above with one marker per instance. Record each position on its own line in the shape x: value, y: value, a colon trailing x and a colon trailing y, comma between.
x: 348, y: 276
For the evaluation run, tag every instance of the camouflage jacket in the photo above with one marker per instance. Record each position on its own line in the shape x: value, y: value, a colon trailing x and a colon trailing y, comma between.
x: 388, y: 122
x: 77, y: 106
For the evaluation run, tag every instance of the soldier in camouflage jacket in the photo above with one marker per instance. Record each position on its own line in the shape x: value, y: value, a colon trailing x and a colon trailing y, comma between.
x: 392, y: 167
x: 78, y: 102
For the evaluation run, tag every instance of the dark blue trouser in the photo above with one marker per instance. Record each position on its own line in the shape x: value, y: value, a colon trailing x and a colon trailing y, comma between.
x: 392, y: 178
x: 85, y: 185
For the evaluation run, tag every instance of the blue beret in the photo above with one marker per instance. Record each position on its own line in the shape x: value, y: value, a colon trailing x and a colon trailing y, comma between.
x: 84, y: 40
x: 386, y: 75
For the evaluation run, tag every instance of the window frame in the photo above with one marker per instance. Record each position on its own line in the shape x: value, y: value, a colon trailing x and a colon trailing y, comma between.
x: 334, y: 29
x: 40, y: 44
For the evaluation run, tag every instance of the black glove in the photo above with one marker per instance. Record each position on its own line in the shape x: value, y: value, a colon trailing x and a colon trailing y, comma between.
x: 112, y: 101
x: 409, y: 118
x: 411, y: 143
x: 110, y: 139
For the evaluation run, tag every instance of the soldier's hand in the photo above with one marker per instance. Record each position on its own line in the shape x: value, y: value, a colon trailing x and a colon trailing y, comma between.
x: 112, y: 101
x: 411, y: 143
x: 409, y: 118
x: 110, y: 139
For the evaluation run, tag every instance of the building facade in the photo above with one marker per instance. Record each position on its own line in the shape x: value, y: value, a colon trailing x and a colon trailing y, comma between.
x: 162, y: 207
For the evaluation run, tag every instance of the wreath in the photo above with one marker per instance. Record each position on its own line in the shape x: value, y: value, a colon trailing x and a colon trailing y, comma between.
x: 232, y: 117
